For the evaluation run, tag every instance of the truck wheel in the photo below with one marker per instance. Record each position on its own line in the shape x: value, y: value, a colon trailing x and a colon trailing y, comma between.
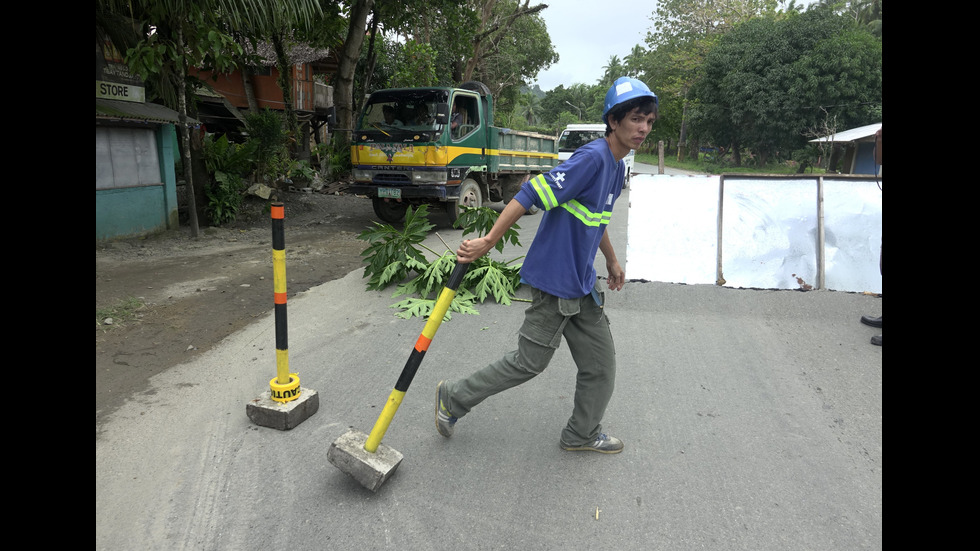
x: 392, y: 212
x: 469, y: 196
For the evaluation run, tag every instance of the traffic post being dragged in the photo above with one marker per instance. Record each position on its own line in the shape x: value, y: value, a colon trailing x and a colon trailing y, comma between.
x: 286, y: 404
x: 363, y: 457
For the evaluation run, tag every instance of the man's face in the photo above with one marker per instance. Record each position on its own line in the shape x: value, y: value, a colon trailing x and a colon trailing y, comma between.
x: 633, y: 128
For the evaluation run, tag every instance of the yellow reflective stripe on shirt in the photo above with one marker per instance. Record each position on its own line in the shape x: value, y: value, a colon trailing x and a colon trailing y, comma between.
x: 578, y: 210
x: 543, y: 190
x: 586, y: 216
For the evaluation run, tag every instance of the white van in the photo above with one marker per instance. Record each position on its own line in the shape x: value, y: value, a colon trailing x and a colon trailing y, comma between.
x: 575, y: 136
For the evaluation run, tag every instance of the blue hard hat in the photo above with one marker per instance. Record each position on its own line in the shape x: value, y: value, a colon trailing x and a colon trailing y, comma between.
x: 625, y: 89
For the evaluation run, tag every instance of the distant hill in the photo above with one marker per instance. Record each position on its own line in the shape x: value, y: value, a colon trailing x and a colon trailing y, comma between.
x: 536, y: 90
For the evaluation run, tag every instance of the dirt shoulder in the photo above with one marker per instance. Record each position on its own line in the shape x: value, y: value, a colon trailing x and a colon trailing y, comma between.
x: 197, y: 291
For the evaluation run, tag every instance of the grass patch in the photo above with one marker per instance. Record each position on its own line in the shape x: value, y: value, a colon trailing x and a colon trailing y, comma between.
x: 707, y: 165
x: 119, y: 313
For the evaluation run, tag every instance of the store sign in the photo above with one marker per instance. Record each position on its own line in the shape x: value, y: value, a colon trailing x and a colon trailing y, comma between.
x: 121, y: 92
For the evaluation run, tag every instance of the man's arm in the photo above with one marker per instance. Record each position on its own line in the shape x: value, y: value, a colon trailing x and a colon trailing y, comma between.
x: 472, y: 249
x: 617, y: 276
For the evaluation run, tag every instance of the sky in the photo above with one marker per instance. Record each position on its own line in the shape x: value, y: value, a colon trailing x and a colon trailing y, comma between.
x: 586, y: 33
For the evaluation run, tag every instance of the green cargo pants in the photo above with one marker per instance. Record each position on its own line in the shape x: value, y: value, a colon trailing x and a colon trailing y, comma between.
x: 585, y: 327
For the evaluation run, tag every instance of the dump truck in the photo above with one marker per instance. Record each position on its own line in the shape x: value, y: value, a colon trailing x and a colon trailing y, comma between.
x: 438, y: 145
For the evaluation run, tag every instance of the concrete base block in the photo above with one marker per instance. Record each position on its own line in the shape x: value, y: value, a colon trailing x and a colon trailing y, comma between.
x: 369, y: 469
x: 266, y: 412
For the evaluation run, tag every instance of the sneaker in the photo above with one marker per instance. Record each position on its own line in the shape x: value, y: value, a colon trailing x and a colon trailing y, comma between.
x: 602, y: 444
x: 445, y: 422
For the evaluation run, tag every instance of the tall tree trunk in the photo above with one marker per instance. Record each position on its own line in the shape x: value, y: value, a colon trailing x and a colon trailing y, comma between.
x: 186, y: 139
x: 247, y: 84
x: 285, y: 82
x: 682, y: 142
x: 345, y: 72
x: 202, y: 180
x: 486, y: 12
x: 836, y: 152
x: 372, y: 55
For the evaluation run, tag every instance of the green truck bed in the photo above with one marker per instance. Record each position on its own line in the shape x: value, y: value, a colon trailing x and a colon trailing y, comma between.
x: 516, y: 151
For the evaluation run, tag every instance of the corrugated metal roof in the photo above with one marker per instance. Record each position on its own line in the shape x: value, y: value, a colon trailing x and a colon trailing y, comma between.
x: 298, y: 53
x: 108, y: 109
x: 852, y: 135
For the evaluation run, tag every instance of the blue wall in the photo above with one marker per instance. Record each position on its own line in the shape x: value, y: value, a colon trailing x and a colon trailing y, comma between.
x: 140, y: 210
x: 865, y: 160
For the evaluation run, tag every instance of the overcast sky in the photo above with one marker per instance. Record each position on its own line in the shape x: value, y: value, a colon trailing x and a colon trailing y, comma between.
x: 586, y: 33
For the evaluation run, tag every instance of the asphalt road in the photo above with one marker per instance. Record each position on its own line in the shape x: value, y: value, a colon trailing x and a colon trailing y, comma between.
x: 752, y: 420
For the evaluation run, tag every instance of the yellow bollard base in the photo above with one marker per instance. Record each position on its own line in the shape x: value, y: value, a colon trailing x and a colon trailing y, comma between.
x: 266, y: 412
x: 287, y: 392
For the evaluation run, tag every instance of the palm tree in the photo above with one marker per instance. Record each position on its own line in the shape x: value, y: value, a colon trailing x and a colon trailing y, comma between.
x: 613, y: 70
x: 868, y: 14
x: 530, y: 108
x: 634, y: 62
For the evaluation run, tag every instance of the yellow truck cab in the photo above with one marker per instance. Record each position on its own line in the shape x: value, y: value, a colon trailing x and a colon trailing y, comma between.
x: 438, y: 145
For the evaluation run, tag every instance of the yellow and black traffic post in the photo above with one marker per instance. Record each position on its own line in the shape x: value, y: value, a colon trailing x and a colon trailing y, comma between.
x: 285, y: 405
x: 363, y: 456
x: 285, y: 386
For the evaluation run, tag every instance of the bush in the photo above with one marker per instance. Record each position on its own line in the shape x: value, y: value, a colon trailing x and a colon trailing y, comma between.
x: 228, y: 164
x: 265, y: 131
x: 394, y: 257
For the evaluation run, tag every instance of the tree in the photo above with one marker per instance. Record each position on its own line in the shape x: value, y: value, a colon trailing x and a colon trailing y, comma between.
x: 578, y: 99
x: 769, y: 80
x: 502, y: 43
x: 680, y: 21
x: 344, y: 80
x: 444, y: 26
x: 611, y: 71
x: 633, y: 65
x: 867, y: 13
x: 684, y: 31
x: 516, y: 57
x: 495, y: 26
x: 415, y: 67
x: 530, y: 109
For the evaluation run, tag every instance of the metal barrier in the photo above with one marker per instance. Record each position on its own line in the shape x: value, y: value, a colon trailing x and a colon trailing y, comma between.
x: 781, y: 232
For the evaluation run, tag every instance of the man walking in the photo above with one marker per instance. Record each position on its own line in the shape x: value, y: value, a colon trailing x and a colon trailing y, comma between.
x: 578, y: 198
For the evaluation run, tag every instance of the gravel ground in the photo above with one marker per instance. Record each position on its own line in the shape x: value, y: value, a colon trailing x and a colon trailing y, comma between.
x: 194, y: 292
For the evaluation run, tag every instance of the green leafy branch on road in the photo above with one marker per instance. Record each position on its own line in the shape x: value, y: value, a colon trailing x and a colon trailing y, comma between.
x: 396, y: 256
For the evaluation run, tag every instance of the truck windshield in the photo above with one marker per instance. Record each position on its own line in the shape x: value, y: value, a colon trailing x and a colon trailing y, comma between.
x: 402, y: 115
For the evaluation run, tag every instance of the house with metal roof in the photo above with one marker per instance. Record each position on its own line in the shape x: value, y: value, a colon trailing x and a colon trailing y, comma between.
x: 858, y: 149
x: 135, y: 147
x: 135, y: 140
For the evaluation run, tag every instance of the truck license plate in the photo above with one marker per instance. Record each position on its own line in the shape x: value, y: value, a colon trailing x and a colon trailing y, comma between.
x: 392, y: 192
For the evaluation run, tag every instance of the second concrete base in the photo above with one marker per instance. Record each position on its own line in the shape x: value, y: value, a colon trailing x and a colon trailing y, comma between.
x: 371, y: 470
x: 266, y: 412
